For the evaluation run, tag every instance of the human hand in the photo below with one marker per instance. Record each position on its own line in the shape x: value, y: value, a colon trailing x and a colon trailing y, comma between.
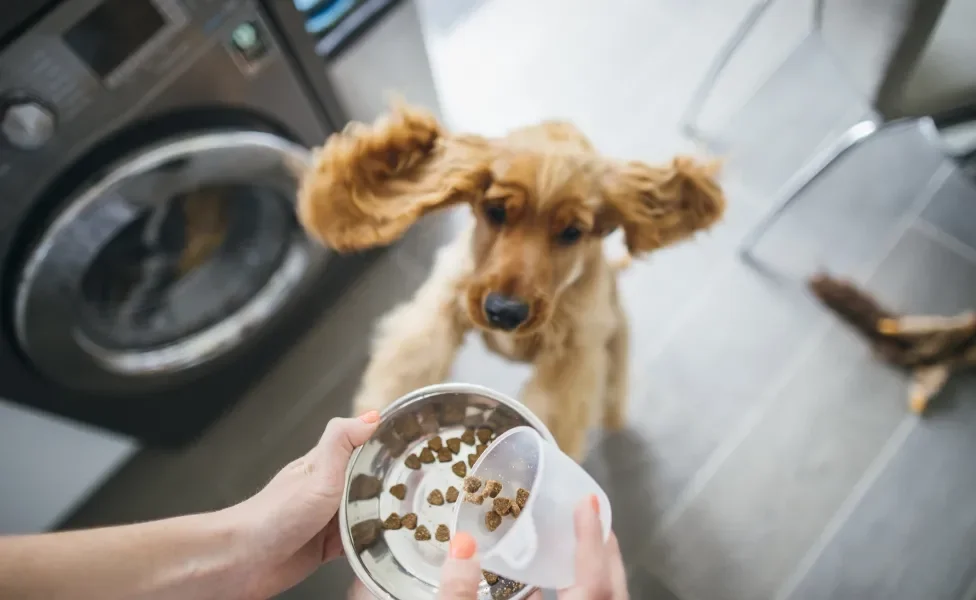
x: 600, y: 571
x: 290, y: 527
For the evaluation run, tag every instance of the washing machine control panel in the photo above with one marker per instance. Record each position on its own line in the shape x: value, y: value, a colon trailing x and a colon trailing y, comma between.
x: 90, y: 66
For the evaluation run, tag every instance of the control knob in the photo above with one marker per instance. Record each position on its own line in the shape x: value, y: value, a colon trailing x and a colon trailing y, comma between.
x: 26, y: 124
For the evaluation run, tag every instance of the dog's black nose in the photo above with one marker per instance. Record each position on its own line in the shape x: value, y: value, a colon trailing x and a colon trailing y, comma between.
x: 504, y: 312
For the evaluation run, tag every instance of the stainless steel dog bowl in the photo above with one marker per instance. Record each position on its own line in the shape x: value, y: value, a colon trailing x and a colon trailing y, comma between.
x: 392, y: 564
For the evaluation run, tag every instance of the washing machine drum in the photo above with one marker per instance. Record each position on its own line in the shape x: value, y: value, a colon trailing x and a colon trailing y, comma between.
x: 167, y: 265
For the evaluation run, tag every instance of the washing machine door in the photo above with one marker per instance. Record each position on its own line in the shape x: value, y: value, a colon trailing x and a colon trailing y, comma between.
x: 168, y: 264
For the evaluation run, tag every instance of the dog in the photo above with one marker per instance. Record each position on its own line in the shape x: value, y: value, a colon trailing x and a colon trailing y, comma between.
x: 529, y: 274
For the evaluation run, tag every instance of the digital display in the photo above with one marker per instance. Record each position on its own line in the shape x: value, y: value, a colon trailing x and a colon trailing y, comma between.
x: 110, y: 33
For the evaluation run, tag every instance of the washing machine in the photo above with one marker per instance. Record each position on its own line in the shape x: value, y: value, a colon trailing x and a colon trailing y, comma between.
x: 153, y: 266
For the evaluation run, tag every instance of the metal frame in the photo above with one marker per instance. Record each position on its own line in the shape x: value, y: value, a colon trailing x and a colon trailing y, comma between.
x: 850, y: 139
x: 824, y: 160
x: 704, y: 89
x: 820, y: 164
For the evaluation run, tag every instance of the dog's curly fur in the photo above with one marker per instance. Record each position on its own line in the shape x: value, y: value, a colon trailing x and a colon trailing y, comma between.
x: 369, y: 184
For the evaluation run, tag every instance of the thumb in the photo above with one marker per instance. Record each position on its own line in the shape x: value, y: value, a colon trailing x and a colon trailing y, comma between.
x: 330, y: 457
x: 342, y: 436
x: 461, y: 573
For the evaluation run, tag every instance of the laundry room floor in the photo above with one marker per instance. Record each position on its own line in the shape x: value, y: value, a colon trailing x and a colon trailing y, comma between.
x: 769, y: 455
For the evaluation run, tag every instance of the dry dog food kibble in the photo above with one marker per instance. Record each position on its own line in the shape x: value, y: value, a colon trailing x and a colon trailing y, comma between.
x: 452, y: 413
x: 484, y: 434
x: 468, y: 437
x: 409, y: 521
x: 472, y: 484
x: 442, y: 534
x: 365, y: 534
x: 454, y: 444
x: 492, y: 488
x: 490, y: 577
x: 459, y: 469
x: 515, y: 510
x: 392, y: 442
x: 399, y: 491
x: 451, y: 495
x: 492, y: 520
x: 364, y: 487
x: 506, y: 589
x: 392, y: 522
x: 412, y: 462
x: 501, y: 505
x: 521, y: 497
x: 480, y: 449
x: 445, y: 455
x: 472, y: 458
x: 422, y: 534
x: 408, y: 428
x: 436, y: 498
x: 474, y: 498
x: 426, y: 456
x: 435, y: 443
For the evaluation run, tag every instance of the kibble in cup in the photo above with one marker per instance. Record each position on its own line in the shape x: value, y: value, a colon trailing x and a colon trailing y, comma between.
x: 520, y: 469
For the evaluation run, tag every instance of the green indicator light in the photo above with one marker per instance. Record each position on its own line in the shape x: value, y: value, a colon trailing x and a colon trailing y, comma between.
x: 245, y: 36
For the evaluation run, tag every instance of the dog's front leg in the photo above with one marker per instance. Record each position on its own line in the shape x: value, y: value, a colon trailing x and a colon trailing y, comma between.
x: 415, y: 343
x: 564, y: 390
x: 618, y: 374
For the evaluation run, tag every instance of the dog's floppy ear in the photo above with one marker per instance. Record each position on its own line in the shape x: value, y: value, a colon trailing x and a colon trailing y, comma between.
x: 369, y: 184
x: 658, y: 206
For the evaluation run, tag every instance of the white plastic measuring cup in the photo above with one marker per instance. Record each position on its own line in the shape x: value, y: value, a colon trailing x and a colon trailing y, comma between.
x: 539, y: 547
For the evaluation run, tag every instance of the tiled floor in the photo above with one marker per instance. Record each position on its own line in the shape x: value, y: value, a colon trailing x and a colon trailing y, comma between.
x: 769, y: 455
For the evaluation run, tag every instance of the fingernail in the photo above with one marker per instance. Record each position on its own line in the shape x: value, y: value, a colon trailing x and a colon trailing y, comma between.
x: 370, y: 416
x: 463, y: 546
x: 595, y: 503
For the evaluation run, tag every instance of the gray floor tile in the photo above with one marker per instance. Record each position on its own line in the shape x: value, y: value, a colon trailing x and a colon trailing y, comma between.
x: 913, y: 535
x: 842, y: 221
x: 646, y: 586
x: 744, y: 532
x: 621, y: 464
x: 970, y: 593
x: 716, y: 367
x: 753, y: 517
x: 953, y: 209
x: 924, y: 276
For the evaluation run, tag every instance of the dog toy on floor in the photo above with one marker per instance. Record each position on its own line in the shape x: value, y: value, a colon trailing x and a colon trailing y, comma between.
x: 931, y: 347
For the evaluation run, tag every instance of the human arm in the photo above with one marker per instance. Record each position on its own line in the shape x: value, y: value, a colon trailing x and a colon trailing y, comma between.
x: 254, y: 549
x: 196, y: 556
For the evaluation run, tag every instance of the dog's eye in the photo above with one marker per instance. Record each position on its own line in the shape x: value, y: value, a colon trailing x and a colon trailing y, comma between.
x: 570, y: 235
x: 495, y: 213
